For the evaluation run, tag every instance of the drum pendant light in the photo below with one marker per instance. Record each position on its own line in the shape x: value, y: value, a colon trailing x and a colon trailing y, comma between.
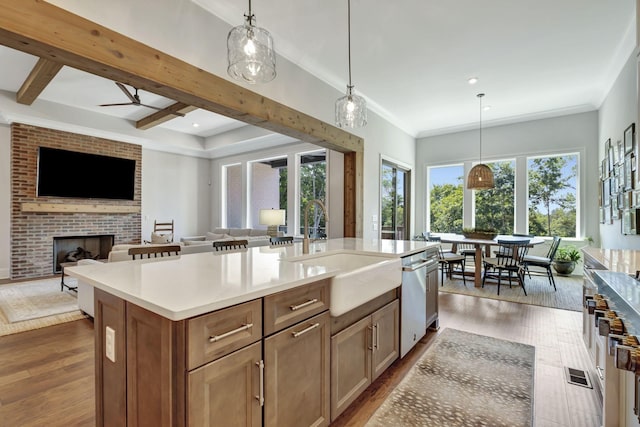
x: 480, y: 176
x: 252, y: 58
x: 351, y: 109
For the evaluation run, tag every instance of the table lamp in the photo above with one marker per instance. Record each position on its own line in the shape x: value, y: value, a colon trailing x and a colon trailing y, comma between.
x: 272, y: 218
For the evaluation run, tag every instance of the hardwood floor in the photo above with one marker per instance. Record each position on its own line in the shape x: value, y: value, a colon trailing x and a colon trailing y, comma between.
x: 46, y: 375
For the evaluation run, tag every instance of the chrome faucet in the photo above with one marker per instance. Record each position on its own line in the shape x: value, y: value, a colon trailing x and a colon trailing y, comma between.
x: 305, y: 239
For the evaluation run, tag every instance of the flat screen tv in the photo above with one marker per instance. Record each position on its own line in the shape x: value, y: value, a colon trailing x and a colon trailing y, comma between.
x: 63, y: 173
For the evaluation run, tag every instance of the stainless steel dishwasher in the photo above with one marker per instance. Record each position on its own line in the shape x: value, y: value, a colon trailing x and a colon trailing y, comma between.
x: 413, y: 317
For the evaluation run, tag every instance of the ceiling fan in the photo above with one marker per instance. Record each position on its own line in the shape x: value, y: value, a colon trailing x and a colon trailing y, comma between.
x: 135, y: 100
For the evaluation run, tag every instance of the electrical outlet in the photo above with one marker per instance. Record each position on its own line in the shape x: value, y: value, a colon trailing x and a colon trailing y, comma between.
x: 375, y: 226
x: 110, y: 344
x: 374, y: 218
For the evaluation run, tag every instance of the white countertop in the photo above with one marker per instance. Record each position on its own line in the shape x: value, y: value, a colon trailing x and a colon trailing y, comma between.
x: 621, y: 260
x: 189, y: 285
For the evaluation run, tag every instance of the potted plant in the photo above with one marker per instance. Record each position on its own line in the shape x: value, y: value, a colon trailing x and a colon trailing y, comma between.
x: 565, y: 260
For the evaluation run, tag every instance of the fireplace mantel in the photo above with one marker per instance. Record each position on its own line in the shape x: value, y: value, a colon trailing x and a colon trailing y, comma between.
x: 78, y: 208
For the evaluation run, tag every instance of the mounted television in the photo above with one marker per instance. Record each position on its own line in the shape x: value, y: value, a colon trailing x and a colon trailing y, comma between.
x: 63, y: 173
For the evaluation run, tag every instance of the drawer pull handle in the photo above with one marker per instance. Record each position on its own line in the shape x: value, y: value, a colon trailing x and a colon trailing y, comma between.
x: 600, y: 372
x: 260, y: 397
x: 303, y: 305
x: 217, y: 338
x: 304, y: 331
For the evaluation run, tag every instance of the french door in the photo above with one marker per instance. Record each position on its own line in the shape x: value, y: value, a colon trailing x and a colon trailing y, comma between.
x: 395, y: 188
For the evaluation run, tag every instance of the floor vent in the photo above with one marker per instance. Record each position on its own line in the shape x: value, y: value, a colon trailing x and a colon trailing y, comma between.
x: 577, y: 377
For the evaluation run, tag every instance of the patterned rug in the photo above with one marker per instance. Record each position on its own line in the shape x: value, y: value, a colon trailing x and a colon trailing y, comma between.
x: 464, y: 379
x: 539, y: 291
x: 36, y: 304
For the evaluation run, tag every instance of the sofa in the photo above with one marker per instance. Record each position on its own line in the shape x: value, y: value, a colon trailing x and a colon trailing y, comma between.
x: 253, y: 236
x: 121, y: 253
x: 188, y: 245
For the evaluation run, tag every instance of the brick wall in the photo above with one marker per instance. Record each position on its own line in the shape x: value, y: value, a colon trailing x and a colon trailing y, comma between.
x: 32, y: 233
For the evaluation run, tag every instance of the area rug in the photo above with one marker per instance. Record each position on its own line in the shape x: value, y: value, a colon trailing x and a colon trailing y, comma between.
x: 539, y: 291
x: 35, y: 304
x: 464, y: 379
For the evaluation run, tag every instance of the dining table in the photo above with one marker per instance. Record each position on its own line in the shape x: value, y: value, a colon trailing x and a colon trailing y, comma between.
x: 456, y: 239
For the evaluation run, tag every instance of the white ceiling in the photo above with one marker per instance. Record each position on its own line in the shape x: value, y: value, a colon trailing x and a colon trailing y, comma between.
x: 411, y: 59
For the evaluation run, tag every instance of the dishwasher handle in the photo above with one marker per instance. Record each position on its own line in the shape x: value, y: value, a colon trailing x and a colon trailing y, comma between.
x: 415, y: 267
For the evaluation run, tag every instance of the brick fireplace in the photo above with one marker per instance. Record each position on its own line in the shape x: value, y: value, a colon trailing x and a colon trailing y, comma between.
x: 35, y: 221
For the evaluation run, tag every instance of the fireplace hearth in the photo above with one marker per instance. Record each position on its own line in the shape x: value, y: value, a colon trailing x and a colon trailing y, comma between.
x: 74, y: 248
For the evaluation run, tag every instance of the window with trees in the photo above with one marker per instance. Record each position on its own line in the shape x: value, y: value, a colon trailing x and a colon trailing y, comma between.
x: 445, y: 198
x: 394, y: 191
x: 313, y: 185
x: 552, y: 183
x: 495, y: 209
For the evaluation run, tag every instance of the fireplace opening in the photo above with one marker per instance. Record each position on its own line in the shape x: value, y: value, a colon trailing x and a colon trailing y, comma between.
x: 74, y: 248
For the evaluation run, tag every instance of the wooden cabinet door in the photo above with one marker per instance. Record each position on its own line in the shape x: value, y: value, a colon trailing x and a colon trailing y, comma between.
x: 226, y: 392
x: 432, y: 297
x: 386, y: 337
x: 297, y: 375
x: 350, y: 364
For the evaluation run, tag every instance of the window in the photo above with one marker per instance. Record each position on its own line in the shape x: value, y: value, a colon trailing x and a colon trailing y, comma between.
x: 494, y: 209
x: 268, y: 178
x: 394, y: 189
x: 553, y: 197
x: 445, y: 198
x: 233, y: 195
x: 313, y: 185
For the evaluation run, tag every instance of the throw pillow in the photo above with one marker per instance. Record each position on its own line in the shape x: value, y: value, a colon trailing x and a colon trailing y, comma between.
x: 215, y: 236
x: 161, y: 238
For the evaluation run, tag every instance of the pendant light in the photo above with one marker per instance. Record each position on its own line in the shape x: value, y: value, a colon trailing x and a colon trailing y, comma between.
x: 351, y: 110
x: 250, y: 52
x: 480, y: 176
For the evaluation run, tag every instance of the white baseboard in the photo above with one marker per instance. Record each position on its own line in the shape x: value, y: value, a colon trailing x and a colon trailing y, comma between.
x: 4, y: 273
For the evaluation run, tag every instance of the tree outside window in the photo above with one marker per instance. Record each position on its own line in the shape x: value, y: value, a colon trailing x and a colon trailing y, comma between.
x: 445, y: 198
x: 313, y: 180
x: 552, y: 195
x: 495, y: 207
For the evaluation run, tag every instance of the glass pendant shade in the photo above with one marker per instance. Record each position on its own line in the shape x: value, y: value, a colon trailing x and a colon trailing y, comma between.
x: 351, y: 110
x: 480, y: 178
x: 252, y: 58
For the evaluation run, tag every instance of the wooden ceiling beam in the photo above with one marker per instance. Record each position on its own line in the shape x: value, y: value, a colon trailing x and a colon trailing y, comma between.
x: 40, y: 76
x: 77, y: 42
x: 164, y: 115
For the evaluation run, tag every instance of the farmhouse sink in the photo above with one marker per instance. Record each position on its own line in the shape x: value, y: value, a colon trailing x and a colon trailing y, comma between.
x: 360, y: 278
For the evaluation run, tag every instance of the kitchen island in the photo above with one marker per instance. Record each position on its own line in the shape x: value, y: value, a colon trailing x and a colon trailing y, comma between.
x: 237, y: 338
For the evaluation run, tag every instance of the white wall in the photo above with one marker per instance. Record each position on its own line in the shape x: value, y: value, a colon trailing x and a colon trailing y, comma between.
x: 175, y: 187
x: 5, y: 200
x: 618, y: 111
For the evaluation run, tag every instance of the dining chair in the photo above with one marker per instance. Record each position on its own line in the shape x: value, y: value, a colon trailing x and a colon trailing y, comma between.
x: 154, y: 251
x: 227, y: 245
x: 447, y: 260
x: 283, y: 240
x: 438, y: 240
x: 506, y: 263
x: 468, y: 250
x: 543, y: 261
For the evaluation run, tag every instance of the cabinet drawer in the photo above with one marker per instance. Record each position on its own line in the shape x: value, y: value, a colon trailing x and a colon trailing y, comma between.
x: 286, y: 308
x: 219, y: 333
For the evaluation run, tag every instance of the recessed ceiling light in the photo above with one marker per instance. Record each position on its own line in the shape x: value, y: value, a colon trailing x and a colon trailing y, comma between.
x: 486, y: 107
x: 473, y: 80
x: 195, y: 125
